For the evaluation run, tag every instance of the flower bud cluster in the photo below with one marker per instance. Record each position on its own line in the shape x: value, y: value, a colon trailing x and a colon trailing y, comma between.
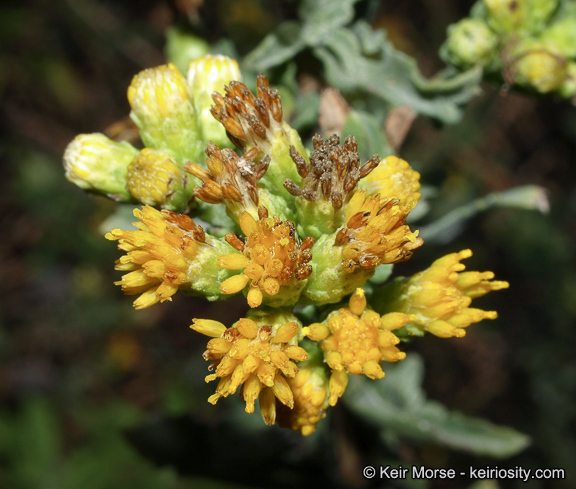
x: 308, y: 229
x: 529, y: 43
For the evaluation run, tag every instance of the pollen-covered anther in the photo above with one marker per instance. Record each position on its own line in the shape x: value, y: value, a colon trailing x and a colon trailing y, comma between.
x: 249, y: 120
x: 271, y: 258
x: 253, y: 356
x: 230, y: 178
x: 158, y: 254
x: 333, y: 171
x: 375, y: 233
x: 440, y: 296
x: 355, y: 339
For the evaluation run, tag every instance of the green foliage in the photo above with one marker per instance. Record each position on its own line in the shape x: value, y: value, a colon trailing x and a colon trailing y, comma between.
x: 400, y: 410
x: 362, y: 63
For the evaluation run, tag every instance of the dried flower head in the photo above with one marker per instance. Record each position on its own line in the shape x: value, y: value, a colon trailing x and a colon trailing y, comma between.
x: 333, y: 171
x: 249, y: 121
x: 230, y: 178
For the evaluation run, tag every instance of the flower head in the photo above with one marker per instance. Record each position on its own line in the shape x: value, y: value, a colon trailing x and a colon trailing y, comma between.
x: 356, y: 339
x: 163, y: 111
x: 230, y: 179
x: 259, y: 357
x: 96, y: 163
x: 440, y: 296
x: 394, y: 178
x: 274, y: 263
x: 158, y: 255
x: 154, y: 178
x: 249, y: 120
x: 333, y: 170
x: 375, y: 232
x: 310, y: 390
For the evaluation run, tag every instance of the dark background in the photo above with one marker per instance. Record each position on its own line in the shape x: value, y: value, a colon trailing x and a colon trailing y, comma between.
x: 81, y: 372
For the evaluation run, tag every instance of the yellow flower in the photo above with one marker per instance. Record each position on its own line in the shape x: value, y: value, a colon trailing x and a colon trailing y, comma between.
x: 355, y: 340
x: 274, y: 263
x: 394, y: 179
x: 158, y: 255
x: 155, y: 179
x: 258, y: 357
x: 440, y: 296
x: 310, y: 390
x: 375, y: 232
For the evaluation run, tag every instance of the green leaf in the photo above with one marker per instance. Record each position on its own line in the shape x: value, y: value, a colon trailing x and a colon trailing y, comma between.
x: 318, y: 19
x: 397, y: 405
x: 352, y: 64
x: 443, y: 230
x: 369, y: 134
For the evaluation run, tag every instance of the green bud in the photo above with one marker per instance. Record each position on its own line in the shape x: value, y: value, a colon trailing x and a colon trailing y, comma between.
x: 98, y: 164
x: 163, y: 111
x: 515, y: 16
x: 562, y: 35
x: 206, y: 75
x: 538, y: 67
x: 568, y: 88
x: 155, y: 179
x: 470, y: 43
x: 182, y: 46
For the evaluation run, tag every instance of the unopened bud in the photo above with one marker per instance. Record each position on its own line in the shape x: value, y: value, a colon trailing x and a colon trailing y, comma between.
x: 155, y: 179
x: 206, y: 75
x: 470, y: 43
x: 99, y: 164
x: 163, y: 111
x: 540, y: 69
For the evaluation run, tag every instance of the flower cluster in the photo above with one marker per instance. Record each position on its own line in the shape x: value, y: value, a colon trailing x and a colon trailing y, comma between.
x: 530, y: 43
x: 304, y: 228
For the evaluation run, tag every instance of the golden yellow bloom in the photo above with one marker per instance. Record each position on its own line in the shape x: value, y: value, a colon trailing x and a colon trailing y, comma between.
x: 440, y: 296
x: 356, y: 340
x: 230, y: 179
x: 158, y: 255
x: 394, y: 178
x: 375, y: 232
x: 310, y: 390
x: 333, y: 171
x: 274, y: 263
x: 155, y: 179
x: 250, y: 121
x: 260, y: 358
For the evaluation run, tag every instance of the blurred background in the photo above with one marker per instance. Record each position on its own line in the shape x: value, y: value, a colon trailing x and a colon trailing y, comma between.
x: 96, y: 395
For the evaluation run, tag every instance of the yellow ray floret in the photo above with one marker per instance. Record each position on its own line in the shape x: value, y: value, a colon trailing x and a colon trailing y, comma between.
x: 356, y: 340
x: 440, y: 296
x: 158, y: 255
x: 271, y: 258
x: 260, y: 358
x: 375, y: 232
